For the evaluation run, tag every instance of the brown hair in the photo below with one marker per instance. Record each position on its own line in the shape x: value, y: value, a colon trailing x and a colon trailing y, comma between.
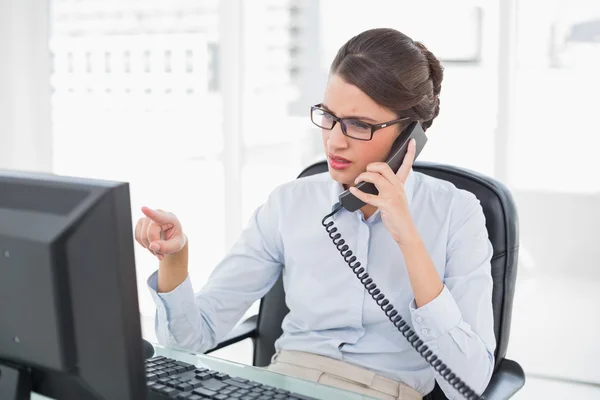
x: 393, y: 70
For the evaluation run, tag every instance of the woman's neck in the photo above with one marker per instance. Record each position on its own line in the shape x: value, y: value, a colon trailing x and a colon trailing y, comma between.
x: 368, y: 210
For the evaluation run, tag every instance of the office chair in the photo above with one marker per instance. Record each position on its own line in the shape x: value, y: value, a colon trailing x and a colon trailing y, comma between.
x: 502, y: 225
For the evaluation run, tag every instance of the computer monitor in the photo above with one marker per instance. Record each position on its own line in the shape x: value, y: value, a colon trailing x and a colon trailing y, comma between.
x: 69, y: 315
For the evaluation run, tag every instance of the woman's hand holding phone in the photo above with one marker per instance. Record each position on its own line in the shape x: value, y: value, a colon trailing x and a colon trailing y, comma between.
x: 391, y: 200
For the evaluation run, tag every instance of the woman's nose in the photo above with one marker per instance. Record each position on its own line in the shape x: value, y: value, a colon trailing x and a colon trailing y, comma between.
x: 337, y: 139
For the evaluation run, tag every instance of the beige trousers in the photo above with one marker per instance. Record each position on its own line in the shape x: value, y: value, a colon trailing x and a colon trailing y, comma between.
x: 328, y: 371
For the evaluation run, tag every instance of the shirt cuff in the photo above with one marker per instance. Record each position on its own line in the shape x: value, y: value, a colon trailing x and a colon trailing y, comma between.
x: 437, y: 317
x: 174, y: 303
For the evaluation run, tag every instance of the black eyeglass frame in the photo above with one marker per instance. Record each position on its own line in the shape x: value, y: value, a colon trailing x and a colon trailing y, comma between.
x: 374, y: 127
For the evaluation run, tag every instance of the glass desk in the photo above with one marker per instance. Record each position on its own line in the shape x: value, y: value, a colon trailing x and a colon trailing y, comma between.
x: 257, y: 374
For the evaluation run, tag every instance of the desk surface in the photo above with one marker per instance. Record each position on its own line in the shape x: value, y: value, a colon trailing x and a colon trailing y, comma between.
x: 260, y: 375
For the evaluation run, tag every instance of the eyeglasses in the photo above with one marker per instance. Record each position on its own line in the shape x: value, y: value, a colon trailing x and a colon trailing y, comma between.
x: 351, y: 127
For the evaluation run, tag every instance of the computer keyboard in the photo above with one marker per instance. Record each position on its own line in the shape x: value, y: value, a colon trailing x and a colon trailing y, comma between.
x: 171, y: 379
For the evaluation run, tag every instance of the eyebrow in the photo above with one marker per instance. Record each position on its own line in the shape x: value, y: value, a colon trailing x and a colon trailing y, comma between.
x: 350, y: 116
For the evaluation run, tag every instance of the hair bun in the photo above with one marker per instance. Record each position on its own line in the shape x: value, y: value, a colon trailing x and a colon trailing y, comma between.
x: 436, y: 74
x: 436, y: 70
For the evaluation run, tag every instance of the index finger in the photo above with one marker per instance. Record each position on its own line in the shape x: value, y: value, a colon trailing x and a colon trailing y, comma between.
x: 160, y: 217
x: 407, y: 163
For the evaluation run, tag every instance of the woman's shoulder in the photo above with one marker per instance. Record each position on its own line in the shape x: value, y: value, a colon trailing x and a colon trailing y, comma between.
x: 442, y: 192
x: 313, y: 187
x: 454, y: 207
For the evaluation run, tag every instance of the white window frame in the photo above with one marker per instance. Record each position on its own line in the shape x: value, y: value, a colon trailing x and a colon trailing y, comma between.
x: 25, y: 122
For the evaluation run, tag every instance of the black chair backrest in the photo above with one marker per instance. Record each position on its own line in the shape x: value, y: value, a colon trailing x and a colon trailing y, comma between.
x: 502, y: 225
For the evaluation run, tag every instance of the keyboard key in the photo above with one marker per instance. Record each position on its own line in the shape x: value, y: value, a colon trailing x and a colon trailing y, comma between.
x: 221, y: 376
x: 213, y: 385
x: 199, y: 370
x: 242, y: 380
x: 156, y: 387
x: 184, y: 396
x: 221, y: 397
x: 188, y: 367
x: 281, y: 391
x: 180, y: 369
x: 203, y: 376
x: 196, y: 397
x: 157, y: 358
x: 184, y: 387
x: 160, y: 374
x: 170, y: 371
x: 169, y: 391
x: 151, y: 377
x: 237, y: 383
x: 280, y: 396
x: 195, y: 383
x: 205, y: 392
x: 183, y: 364
x: 235, y: 395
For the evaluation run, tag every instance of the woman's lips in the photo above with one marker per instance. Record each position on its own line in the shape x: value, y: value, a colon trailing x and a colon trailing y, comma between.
x: 338, y: 163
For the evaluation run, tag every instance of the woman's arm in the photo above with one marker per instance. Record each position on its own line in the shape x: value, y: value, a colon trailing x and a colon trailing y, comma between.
x: 455, y: 319
x: 198, y: 321
x: 424, y: 278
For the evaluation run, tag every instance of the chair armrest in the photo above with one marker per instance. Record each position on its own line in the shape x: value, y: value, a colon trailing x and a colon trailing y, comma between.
x: 507, y: 380
x: 245, y: 330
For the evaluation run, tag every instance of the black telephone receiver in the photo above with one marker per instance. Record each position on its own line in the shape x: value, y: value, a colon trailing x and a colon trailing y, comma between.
x: 395, y: 158
x: 351, y: 203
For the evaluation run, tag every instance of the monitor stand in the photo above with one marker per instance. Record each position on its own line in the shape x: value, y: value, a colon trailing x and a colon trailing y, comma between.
x: 15, y: 382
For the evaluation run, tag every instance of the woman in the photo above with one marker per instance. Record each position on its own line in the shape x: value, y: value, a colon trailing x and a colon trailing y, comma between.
x: 422, y: 240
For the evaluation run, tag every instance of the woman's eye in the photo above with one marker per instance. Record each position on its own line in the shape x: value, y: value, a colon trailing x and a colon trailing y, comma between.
x: 358, y: 125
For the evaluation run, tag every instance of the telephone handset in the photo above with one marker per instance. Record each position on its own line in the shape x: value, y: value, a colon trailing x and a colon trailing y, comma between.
x: 351, y: 203
x: 395, y: 158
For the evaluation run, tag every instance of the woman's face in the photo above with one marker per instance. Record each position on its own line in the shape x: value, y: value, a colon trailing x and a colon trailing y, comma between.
x: 349, y: 157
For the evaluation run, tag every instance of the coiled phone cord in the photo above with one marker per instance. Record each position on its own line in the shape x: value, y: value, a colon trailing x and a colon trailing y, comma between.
x: 392, y: 314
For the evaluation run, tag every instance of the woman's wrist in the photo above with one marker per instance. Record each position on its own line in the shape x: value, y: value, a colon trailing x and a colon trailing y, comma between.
x: 173, y: 270
x: 412, y: 242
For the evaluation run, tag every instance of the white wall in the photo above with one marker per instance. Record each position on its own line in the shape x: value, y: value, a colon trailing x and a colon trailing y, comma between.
x: 25, y: 127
